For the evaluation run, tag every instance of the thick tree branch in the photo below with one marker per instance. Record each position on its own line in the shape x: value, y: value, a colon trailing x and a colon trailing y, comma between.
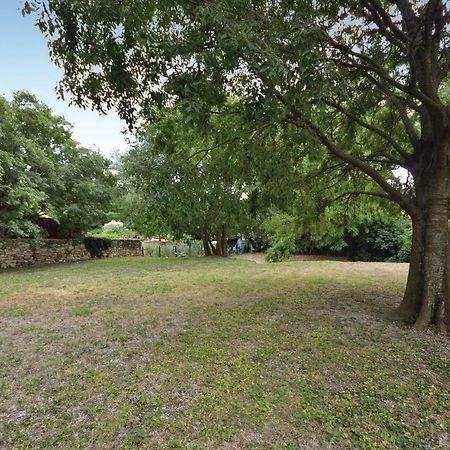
x: 408, y: 15
x: 386, y: 18
x: 441, y: 22
x: 429, y: 19
x: 395, y: 195
x: 376, y: 69
x: 370, y: 127
x: 355, y: 193
x: 397, y: 102
x: 386, y: 27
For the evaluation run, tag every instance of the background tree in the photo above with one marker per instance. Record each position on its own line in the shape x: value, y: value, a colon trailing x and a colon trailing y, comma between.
x: 312, y: 64
x: 21, y: 191
x: 183, y: 188
x: 43, y: 171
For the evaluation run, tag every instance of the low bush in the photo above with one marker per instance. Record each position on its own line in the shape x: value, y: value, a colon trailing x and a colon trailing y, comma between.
x: 281, y: 248
x: 97, y: 246
x: 385, y: 241
x: 113, y: 230
x: 280, y: 229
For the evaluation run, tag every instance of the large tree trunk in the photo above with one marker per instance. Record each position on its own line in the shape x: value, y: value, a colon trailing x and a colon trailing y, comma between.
x: 434, y: 304
x: 426, y: 300
x: 410, y: 306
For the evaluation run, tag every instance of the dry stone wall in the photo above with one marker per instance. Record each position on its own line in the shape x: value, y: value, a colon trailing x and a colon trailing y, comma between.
x: 125, y: 247
x: 27, y: 252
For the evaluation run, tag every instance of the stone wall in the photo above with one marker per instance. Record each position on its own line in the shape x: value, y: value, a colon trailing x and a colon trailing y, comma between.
x: 125, y: 247
x: 26, y: 252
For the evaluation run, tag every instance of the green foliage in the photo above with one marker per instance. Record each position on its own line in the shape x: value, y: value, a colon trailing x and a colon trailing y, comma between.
x: 281, y: 231
x: 112, y: 230
x: 43, y: 171
x: 97, y: 246
x: 378, y: 237
x: 337, y: 72
x: 21, y: 185
x: 281, y: 248
x: 385, y: 241
x: 176, y: 186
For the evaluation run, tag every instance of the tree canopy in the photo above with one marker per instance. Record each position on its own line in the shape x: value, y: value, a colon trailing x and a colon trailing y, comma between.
x: 186, y: 189
x: 44, y: 172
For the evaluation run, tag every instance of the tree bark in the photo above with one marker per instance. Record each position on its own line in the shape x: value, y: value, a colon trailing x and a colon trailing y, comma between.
x: 434, y: 304
x: 221, y: 241
x: 224, y: 241
x: 426, y: 300
x: 410, y: 305
x: 351, y: 251
x: 206, y: 246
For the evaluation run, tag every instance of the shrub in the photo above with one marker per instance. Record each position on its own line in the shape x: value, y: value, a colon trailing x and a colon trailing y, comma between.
x: 97, y: 246
x: 113, y: 230
x: 114, y: 226
x: 281, y: 231
x: 385, y: 241
x: 281, y: 248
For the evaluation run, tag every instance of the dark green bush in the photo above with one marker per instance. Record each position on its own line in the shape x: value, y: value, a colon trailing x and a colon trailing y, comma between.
x: 97, y: 246
x: 384, y: 241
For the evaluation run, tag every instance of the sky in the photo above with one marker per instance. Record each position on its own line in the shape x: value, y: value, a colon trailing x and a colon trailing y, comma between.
x: 25, y: 65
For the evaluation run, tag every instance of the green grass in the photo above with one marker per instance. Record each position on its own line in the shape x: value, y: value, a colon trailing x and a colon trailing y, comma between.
x: 212, y: 353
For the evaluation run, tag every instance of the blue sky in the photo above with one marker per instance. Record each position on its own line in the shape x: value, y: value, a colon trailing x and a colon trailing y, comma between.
x: 25, y: 64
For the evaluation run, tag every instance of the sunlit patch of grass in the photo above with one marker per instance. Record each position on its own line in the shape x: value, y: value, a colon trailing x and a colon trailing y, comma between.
x: 213, y: 353
x: 81, y: 311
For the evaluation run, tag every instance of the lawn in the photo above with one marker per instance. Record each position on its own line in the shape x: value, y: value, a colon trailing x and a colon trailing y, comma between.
x: 212, y: 353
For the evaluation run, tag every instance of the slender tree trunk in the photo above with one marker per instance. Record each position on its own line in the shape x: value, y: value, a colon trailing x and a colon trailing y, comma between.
x: 223, y: 242
x: 351, y: 251
x: 218, y: 251
x: 206, y: 246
